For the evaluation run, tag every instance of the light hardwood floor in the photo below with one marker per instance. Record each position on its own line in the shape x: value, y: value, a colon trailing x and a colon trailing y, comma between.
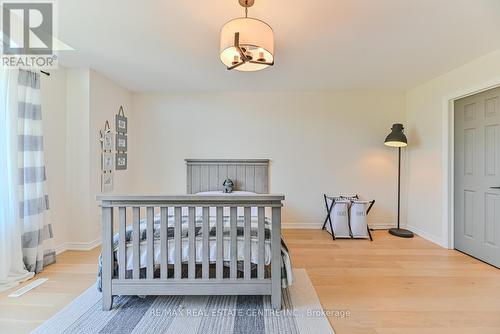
x: 395, y: 285
x: 390, y: 285
x: 73, y: 273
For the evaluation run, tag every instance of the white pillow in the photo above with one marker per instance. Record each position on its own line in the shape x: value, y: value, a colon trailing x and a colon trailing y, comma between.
x: 218, y: 193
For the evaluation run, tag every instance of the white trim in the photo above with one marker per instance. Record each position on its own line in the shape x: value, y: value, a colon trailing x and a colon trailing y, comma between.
x: 78, y: 246
x: 61, y: 248
x: 384, y: 226
x: 317, y: 226
x: 432, y: 238
x: 297, y: 226
x: 448, y: 157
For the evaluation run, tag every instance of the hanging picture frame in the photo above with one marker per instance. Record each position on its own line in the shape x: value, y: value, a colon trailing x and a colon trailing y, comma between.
x: 107, y: 138
x: 107, y: 141
x: 121, y: 142
x: 107, y: 161
x: 121, y: 161
x: 121, y: 121
x: 107, y: 181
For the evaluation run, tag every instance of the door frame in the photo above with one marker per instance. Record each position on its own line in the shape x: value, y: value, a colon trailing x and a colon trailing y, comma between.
x: 448, y: 156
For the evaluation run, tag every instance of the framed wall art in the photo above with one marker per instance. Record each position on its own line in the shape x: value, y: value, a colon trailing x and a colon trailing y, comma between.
x: 106, y: 182
x: 107, y: 142
x: 121, y: 121
x: 107, y: 161
x: 106, y: 138
x: 121, y: 161
x: 121, y: 142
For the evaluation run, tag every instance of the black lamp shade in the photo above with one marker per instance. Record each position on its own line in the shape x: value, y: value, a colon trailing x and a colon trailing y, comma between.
x: 397, y: 137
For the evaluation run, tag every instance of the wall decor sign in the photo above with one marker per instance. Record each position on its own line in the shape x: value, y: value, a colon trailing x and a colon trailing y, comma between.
x: 107, y: 143
x: 107, y: 161
x: 121, y: 121
x: 121, y: 161
x: 121, y: 140
x: 107, y: 182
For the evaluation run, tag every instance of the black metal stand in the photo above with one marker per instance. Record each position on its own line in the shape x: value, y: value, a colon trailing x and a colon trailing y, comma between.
x: 328, y: 219
x: 400, y: 232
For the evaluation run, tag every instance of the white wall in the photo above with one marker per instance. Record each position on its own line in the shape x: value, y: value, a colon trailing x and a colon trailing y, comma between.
x: 317, y: 142
x: 106, y: 97
x: 427, y: 107
x: 75, y: 105
x: 78, y: 155
x: 54, y: 122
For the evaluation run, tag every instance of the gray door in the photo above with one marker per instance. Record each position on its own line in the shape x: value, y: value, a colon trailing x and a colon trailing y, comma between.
x: 477, y: 176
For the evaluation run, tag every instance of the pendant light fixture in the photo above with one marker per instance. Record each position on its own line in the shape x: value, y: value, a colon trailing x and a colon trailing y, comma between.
x: 247, y: 44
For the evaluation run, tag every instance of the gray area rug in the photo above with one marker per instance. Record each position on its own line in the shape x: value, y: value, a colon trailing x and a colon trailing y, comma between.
x: 301, y: 314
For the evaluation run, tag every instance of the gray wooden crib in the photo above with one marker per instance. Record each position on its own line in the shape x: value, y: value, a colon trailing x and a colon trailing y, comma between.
x: 202, y: 175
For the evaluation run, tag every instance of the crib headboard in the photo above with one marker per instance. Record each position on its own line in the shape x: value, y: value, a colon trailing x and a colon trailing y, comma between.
x: 209, y: 174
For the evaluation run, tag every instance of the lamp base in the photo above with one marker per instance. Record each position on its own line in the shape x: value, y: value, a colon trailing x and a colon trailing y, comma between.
x: 401, y: 232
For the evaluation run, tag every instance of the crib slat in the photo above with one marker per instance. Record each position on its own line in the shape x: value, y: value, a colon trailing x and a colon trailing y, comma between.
x: 122, y: 265
x: 260, y: 266
x: 149, y: 243
x: 191, y: 237
x: 220, y: 245
x: 246, y: 265
x: 205, y: 249
x: 233, y: 243
x: 163, y: 242
x: 136, y: 216
x: 178, y: 245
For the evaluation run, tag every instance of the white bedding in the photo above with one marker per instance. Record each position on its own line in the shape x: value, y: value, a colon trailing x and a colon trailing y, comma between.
x: 199, y: 243
x: 286, y: 271
x: 199, y: 251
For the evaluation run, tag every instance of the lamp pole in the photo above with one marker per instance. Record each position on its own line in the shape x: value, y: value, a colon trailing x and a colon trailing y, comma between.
x: 399, y: 184
x: 400, y: 232
x: 398, y: 139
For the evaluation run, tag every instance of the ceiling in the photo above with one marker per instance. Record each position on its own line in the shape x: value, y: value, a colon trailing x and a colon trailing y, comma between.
x: 319, y: 44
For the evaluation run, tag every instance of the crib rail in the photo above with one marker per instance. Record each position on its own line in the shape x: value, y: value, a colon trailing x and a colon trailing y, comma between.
x: 190, y: 285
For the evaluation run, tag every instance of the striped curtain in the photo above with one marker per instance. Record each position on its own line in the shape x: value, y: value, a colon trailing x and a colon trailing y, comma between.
x: 37, y: 237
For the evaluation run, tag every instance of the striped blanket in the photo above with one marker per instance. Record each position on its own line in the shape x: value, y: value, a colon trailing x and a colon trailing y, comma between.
x: 286, y: 265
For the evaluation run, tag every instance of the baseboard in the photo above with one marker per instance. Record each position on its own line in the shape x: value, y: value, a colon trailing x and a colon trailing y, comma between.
x: 432, y: 238
x: 300, y: 226
x: 315, y: 226
x: 61, y: 248
x: 78, y: 246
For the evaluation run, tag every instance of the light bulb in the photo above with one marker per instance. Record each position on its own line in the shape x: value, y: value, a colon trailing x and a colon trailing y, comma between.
x: 261, y: 57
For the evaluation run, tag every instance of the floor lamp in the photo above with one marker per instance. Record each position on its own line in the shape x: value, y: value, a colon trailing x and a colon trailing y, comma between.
x: 398, y: 139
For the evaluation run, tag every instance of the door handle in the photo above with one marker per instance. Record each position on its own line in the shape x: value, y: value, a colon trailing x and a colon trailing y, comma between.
x: 495, y: 187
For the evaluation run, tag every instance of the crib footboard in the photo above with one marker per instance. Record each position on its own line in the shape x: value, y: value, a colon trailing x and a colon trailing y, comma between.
x: 114, y: 217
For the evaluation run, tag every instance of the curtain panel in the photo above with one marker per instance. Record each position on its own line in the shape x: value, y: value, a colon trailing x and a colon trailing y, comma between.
x: 12, y: 268
x: 37, y: 238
